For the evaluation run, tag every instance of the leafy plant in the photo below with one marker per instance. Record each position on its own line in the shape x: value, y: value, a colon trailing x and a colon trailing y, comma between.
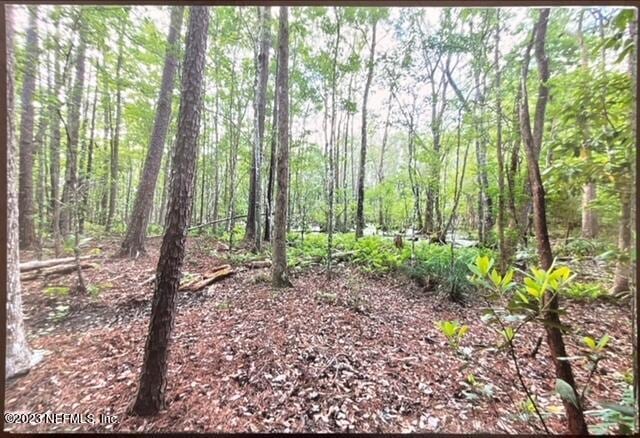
x: 453, y: 331
x: 57, y: 291
x: 618, y: 418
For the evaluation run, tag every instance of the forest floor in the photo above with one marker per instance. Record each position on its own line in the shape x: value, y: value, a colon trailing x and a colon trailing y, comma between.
x: 357, y: 353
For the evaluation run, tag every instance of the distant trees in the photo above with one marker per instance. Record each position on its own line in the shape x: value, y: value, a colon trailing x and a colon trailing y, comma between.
x: 150, y: 397
x: 133, y: 243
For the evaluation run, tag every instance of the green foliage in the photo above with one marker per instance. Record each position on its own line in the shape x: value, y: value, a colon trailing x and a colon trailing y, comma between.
x: 453, y: 331
x: 617, y: 418
x: 585, y: 291
x: 57, y: 291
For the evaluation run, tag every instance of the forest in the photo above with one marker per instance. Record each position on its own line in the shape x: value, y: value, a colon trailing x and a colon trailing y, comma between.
x: 321, y: 219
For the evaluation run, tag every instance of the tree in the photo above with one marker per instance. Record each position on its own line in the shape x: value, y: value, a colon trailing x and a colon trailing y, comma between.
x: 280, y: 276
x: 253, y: 231
x: 622, y: 277
x: 115, y: 139
x: 153, y: 378
x: 363, y: 136
x: 19, y: 356
x: 27, y: 146
x: 72, y: 129
x: 133, y: 243
x: 533, y: 144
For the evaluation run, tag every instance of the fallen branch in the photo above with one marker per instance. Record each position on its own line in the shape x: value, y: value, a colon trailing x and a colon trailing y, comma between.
x: 39, y: 264
x: 54, y: 270
x: 219, y: 273
x: 258, y: 264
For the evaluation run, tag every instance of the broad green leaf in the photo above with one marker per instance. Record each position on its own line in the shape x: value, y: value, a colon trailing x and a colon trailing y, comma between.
x: 589, y: 342
x: 566, y: 392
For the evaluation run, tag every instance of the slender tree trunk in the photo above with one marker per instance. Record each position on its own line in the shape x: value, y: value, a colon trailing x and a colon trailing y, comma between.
x: 253, y: 231
x: 54, y: 162
x: 623, y: 272
x: 383, y: 147
x: 363, y: 140
x: 27, y: 147
x: 575, y: 416
x: 272, y: 163
x: 504, y: 256
x: 89, y: 167
x: 280, y: 270
x: 331, y: 171
x: 18, y: 359
x: 115, y: 140
x: 133, y: 243
x: 589, y: 217
x: 72, y: 131
x: 153, y: 378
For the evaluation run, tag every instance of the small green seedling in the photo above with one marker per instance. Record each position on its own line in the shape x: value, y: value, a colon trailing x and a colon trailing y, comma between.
x: 453, y: 331
x: 57, y: 291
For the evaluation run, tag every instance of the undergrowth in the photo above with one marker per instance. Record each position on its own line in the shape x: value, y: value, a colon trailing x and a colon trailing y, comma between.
x: 435, y: 267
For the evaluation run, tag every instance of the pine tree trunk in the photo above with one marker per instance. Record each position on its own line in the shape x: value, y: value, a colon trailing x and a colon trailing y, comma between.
x: 133, y: 243
x: 18, y: 357
x: 27, y: 146
x: 363, y: 139
x: 150, y: 398
x: 280, y: 272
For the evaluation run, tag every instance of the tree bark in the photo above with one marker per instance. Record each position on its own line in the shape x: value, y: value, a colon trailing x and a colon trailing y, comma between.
x: 153, y: 379
x: 272, y: 163
x: 253, y: 231
x: 589, y: 194
x: 504, y: 256
x: 115, y: 140
x: 363, y: 139
x: 575, y: 416
x: 279, y: 271
x: 133, y: 244
x: 27, y: 146
x: 19, y: 356
x: 73, y: 131
x: 623, y: 272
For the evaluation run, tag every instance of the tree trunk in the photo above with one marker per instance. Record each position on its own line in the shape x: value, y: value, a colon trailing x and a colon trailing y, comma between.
x: 133, y: 243
x: 19, y: 356
x: 504, y: 256
x: 279, y: 272
x: 363, y: 140
x: 115, y: 140
x: 272, y: 163
x: 623, y: 272
x: 575, y: 416
x: 332, y: 145
x: 27, y: 147
x: 54, y: 146
x: 153, y: 378
x: 589, y: 217
x: 89, y: 168
x: 72, y: 131
x: 253, y: 231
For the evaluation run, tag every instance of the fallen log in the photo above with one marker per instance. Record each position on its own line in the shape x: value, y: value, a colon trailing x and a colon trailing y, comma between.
x: 39, y: 264
x: 54, y: 271
x: 258, y: 264
x: 211, y: 277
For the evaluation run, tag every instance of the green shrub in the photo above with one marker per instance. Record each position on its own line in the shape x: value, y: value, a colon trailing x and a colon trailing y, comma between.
x: 585, y: 291
x: 582, y: 248
x: 615, y: 418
